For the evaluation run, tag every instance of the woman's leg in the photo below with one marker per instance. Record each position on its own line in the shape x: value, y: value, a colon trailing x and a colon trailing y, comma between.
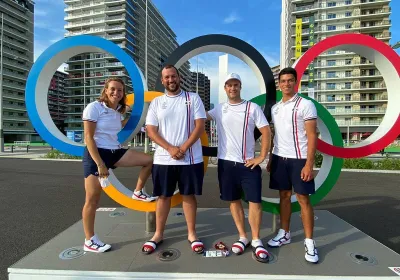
x: 93, y: 191
x: 134, y: 158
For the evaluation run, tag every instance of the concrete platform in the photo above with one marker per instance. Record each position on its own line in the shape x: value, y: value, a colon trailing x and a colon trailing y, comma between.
x: 345, y: 252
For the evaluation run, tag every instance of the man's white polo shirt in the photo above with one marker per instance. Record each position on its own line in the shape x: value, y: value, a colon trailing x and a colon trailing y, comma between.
x: 289, y: 119
x: 235, y: 126
x: 108, y: 124
x: 174, y: 115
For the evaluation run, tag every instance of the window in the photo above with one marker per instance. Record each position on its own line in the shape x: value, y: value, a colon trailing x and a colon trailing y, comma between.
x: 347, y: 97
x: 347, y: 108
x: 331, y: 27
x: 347, y: 61
x: 331, y: 4
x: 331, y: 86
x: 347, y: 85
x: 348, y: 14
x: 330, y: 107
x: 331, y: 74
x: 347, y: 74
x: 347, y: 26
x: 348, y: 2
x: 331, y: 62
x: 330, y: 97
x: 331, y: 16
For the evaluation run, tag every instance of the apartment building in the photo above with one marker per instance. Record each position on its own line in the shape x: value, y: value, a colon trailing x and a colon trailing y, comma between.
x: 275, y: 71
x: 57, y: 102
x: 16, y: 59
x: 347, y: 84
x: 122, y: 22
x: 200, y: 83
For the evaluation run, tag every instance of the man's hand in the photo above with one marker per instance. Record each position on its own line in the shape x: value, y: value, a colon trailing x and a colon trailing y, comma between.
x: 307, y: 173
x: 254, y: 162
x: 175, y: 152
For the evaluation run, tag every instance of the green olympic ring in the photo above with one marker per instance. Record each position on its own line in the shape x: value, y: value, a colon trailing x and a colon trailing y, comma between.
x: 330, y: 168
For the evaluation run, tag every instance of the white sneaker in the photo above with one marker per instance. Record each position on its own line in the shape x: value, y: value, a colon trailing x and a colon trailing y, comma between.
x: 311, y: 251
x: 280, y: 239
x: 142, y: 196
x: 95, y: 245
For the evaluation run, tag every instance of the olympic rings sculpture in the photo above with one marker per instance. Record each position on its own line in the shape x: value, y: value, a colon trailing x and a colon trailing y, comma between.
x: 331, y: 145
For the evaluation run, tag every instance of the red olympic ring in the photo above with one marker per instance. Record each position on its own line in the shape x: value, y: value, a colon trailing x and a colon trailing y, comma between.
x: 366, y: 41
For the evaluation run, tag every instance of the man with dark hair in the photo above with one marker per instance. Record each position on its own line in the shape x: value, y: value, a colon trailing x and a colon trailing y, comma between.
x: 292, y: 158
x: 175, y: 122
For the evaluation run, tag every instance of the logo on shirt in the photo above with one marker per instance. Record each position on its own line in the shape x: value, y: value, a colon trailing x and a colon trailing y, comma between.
x: 276, y: 111
x: 225, y: 109
x: 164, y: 105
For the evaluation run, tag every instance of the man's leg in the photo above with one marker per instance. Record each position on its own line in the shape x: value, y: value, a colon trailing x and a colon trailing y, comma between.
x: 238, y: 217
x: 191, y: 184
x: 307, y: 214
x: 164, y: 184
x: 255, y: 215
x: 285, y: 209
x: 162, y: 211
x: 189, y: 205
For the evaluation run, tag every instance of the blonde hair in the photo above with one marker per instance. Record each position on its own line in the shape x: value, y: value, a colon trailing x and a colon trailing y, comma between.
x: 103, y: 96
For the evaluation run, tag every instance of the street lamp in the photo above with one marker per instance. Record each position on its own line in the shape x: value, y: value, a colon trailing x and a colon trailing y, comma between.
x: 396, y: 46
x: 1, y: 86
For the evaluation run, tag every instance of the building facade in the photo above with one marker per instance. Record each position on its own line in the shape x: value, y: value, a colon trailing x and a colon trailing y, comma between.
x: 275, y: 72
x: 347, y: 84
x: 200, y: 83
x: 16, y: 59
x: 56, y: 100
x: 122, y: 22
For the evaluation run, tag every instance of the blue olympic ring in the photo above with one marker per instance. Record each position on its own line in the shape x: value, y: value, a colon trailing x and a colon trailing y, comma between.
x: 46, y: 64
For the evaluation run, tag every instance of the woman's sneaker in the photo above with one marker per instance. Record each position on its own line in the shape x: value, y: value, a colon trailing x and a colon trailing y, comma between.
x: 95, y: 245
x: 280, y: 239
x: 142, y: 196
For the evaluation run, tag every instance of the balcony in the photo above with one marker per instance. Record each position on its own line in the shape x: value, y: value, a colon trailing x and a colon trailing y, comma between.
x: 17, y: 44
x: 91, y: 4
x: 14, y: 85
x: 15, y: 75
x: 358, y: 123
x: 84, y: 15
x: 380, y: 111
x: 14, y: 107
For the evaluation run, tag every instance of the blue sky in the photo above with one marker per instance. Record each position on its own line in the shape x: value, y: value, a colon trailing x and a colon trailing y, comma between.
x: 254, y: 21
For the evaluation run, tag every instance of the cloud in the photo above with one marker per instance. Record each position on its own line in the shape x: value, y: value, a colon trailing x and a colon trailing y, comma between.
x: 40, y: 13
x: 233, y: 17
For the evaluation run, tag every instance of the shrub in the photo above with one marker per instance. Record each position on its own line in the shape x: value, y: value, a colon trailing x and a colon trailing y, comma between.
x: 59, y: 155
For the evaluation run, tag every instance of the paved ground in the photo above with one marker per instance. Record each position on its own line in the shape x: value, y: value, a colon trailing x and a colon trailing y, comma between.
x: 39, y: 199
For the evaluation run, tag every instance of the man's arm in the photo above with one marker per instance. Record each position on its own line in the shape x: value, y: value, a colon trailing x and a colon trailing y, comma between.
x: 311, y: 132
x: 209, y: 118
x: 194, y: 136
x: 265, y: 142
x: 271, y: 146
x: 152, y: 132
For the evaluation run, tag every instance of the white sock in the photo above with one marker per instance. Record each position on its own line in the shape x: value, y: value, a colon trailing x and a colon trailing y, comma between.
x: 245, y: 242
x: 258, y: 242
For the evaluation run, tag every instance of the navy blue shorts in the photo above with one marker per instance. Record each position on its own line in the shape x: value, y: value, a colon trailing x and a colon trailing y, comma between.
x: 286, y: 173
x: 109, y: 157
x: 234, y: 178
x: 188, y: 177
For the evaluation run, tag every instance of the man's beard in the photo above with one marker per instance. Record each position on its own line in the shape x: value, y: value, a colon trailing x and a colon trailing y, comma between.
x: 173, y: 87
